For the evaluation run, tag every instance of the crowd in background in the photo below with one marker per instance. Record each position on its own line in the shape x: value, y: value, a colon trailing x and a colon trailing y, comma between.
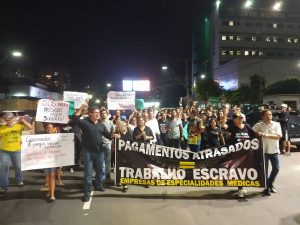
x: 189, y: 128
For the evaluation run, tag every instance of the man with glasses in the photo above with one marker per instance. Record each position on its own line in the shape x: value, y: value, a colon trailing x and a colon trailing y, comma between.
x: 10, y: 148
x: 93, y: 132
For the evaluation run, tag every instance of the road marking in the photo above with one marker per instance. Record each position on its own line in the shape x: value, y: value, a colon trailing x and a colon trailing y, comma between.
x: 87, y: 205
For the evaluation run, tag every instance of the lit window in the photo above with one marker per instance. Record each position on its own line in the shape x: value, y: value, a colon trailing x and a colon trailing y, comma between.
x: 224, y: 37
x: 231, y: 38
x: 254, y: 39
x: 231, y: 23
x: 48, y: 77
x: 238, y: 52
x: 274, y: 25
x: 246, y: 53
x: 253, y: 53
x: 296, y: 40
x: 268, y: 39
x: 231, y: 53
x: 275, y: 39
x: 55, y: 73
x: 238, y: 38
x: 290, y: 40
x: 224, y: 52
x: 260, y: 53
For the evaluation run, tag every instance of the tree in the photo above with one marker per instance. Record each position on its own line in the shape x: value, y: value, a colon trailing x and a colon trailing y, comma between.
x: 257, y: 88
x: 237, y: 97
x: 207, y: 88
x: 288, y: 86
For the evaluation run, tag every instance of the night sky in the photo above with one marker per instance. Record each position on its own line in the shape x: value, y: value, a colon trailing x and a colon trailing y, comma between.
x: 101, y: 42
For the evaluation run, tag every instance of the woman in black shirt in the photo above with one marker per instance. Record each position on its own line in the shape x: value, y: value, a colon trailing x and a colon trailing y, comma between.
x: 214, y: 134
x: 142, y: 133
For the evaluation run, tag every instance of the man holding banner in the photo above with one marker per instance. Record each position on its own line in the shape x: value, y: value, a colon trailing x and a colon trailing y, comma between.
x: 271, y: 133
x: 92, y: 145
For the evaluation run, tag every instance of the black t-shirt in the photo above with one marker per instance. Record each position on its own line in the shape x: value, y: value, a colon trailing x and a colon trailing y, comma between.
x: 213, y: 136
x: 240, y: 134
x: 137, y: 131
x: 283, y: 119
x: 127, y: 136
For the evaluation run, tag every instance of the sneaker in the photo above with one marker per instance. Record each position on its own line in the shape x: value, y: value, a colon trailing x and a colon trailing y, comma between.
x: 86, y: 198
x: 20, y: 184
x: 100, y: 188
x: 52, y: 199
x: 240, y: 193
x: 71, y: 170
x: 244, y: 191
x: 273, y: 190
x: 266, y: 192
x: 2, y: 191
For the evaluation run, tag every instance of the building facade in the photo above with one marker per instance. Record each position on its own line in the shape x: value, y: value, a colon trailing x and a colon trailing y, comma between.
x: 55, y: 78
x: 257, y: 39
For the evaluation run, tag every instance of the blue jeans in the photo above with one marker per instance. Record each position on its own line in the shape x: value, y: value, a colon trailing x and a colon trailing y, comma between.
x: 93, y: 160
x: 107, y: 158
x: 274, y: 159
x: 6, y: 158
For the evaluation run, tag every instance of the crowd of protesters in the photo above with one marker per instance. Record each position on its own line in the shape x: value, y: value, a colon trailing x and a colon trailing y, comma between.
x: 189, y: 128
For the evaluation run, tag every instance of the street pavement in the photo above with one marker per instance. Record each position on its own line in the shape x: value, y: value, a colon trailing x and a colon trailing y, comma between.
x: 154, y: 205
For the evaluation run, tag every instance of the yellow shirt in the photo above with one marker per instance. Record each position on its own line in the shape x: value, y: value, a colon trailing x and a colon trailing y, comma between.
x: 10, y: 137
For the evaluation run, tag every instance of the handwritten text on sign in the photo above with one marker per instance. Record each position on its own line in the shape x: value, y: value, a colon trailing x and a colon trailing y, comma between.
x: 121, y: 100
x: 52, y: 111
x: 47, y: 151
x: 77, y: 97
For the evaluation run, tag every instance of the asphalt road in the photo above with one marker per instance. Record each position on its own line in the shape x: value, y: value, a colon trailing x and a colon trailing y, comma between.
x: 156, y: 205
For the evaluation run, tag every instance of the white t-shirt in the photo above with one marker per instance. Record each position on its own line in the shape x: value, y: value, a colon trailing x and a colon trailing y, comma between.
x: 153, y: 124
x: 270, y: 146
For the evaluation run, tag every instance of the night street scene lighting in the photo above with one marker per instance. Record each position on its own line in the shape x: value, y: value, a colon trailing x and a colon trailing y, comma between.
x: 248, y: 4
x: 13, y: 54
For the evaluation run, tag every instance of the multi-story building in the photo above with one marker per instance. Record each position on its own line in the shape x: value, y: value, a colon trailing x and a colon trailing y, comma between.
x: 247, y: 38
x: 55, y: 78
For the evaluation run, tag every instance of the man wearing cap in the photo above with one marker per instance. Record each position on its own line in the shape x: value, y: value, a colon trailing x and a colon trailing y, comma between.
x: 283, y: 119
x: 10, y: 148
x: 239, y: 132
x: 270, y: 132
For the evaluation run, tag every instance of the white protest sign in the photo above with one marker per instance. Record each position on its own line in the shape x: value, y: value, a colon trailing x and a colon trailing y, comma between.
x: 121, y: 100
x: 52, y: 111
x: 47, y: 151
x: 77, y: 97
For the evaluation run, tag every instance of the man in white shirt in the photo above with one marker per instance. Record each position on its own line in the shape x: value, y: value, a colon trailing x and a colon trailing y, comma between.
x: 153, y: 124
x: 271, y: 133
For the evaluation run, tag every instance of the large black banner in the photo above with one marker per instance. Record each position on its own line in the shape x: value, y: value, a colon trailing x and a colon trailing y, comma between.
x: 238, y: 165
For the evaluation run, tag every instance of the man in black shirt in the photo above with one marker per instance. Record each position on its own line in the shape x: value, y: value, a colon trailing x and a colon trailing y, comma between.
x: 283, y: 119
x: 239, y: 132
x: 92, y: 145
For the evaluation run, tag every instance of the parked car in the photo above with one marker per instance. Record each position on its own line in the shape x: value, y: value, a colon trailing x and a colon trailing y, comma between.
x: 294, y: 124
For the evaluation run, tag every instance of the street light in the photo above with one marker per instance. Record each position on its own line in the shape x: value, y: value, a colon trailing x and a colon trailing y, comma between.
x: 97, y: 101
x: 277, y: 6
x: 248, y: 4
x: 177, y: 78
x: 12, y: 53
x: 218, y: 3
x: 108, y: 85
x: 202, y: 76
